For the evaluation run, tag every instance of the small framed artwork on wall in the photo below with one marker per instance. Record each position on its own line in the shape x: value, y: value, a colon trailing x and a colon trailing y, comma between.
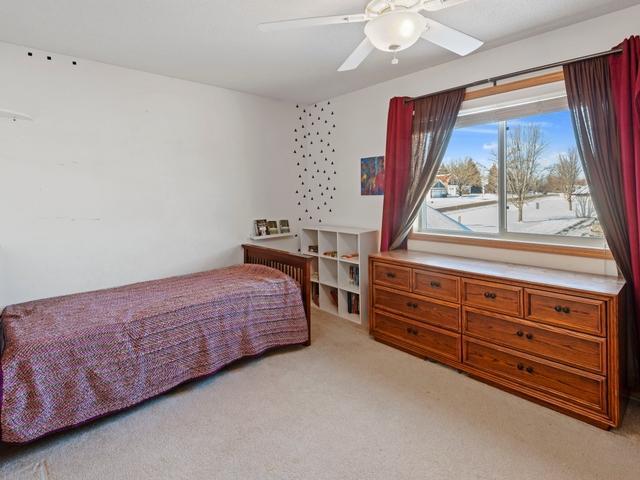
x: 372, y: 176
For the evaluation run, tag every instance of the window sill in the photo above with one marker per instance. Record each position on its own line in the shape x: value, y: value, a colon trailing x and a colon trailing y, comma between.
x: 575, y: 251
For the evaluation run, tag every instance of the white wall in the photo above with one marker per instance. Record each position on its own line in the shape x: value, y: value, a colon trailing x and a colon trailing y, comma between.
x: 126, y: 176
x: 361, y: 117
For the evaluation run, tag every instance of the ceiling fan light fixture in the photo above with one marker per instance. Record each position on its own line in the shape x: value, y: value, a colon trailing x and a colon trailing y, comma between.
x: 396, y: 30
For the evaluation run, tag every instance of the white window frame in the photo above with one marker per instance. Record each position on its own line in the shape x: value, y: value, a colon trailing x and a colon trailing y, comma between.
x: 553, y: 98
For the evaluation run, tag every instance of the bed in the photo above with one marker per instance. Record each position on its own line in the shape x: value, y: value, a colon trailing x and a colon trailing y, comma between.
x: 69, y: 360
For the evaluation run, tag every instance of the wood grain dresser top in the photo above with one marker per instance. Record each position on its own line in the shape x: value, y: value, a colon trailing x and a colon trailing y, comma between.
x: 599, y: 284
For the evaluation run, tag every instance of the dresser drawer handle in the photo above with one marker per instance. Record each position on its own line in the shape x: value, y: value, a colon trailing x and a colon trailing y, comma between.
x: 412, y: 331
x: 529, y: 336
x: 520, y: 366
x: 519, y: 333
x: 561, y: 309
x: 489, y: 295
x: 391, y: 275
x: 435, y: 284
x: 412, y: 305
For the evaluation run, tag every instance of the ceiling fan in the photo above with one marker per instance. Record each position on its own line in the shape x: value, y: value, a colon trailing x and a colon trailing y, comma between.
x: 391, y: 26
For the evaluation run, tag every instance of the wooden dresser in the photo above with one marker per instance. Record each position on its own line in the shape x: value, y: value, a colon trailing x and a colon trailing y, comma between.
x: 546, y: 335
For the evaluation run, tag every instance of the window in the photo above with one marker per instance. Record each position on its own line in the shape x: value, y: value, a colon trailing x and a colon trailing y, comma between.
x: 512, y: 171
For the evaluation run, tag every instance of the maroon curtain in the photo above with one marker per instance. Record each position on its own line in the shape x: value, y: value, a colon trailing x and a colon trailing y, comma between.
x: 397, y: 161
x: 590, y: 98
x: 433, y: 121
x: 625, y: 84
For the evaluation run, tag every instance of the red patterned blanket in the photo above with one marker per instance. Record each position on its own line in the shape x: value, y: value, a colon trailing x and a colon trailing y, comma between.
x: 71, y: 359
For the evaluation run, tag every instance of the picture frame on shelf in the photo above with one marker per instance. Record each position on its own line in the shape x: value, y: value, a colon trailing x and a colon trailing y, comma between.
x: 284, y: 226
x: 260, y: 227
x: 272, y: 227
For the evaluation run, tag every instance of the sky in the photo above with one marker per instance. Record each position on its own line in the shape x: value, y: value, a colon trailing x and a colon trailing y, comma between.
x: 479, y: 141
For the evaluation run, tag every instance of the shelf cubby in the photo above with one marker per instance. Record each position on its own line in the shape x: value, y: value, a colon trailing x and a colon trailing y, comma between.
x: 328, y: 270
x: 328, y: 302
x: 327, y: 242
x: 348, y: 276
x: 343, y: 305
x: 308, y: 238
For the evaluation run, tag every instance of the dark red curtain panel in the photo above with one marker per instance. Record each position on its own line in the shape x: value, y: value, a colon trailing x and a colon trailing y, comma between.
x: 625, y: 85
x: 433, y: 120
x: 590, y: 96
x: 397, y: 162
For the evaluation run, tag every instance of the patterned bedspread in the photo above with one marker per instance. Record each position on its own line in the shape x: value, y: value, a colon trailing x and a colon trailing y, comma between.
x: 71, y: 359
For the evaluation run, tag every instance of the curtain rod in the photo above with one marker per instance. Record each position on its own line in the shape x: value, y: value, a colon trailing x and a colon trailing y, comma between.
x: 494, y: 80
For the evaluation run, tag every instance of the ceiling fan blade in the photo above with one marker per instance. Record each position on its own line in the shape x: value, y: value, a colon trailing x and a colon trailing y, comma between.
x: 449, y: 38
x: 311, y: 22
x: 435, y: 5
x: 361, y: 52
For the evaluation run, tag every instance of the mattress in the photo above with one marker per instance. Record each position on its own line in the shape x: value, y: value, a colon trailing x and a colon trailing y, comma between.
x: 71, y: 359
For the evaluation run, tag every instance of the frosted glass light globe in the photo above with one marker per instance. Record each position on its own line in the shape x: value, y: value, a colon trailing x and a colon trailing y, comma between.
x: 395, y: 30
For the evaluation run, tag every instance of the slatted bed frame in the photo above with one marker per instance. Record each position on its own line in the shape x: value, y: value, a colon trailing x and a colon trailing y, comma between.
x: 295, y: 265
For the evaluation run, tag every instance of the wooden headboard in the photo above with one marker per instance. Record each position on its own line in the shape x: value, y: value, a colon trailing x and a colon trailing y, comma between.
x: 295, y: 265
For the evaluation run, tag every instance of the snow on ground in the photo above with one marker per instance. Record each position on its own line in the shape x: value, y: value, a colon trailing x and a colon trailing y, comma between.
x: 549, y: 215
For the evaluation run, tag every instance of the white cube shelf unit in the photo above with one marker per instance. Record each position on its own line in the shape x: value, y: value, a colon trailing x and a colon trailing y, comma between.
x: 340, y: 278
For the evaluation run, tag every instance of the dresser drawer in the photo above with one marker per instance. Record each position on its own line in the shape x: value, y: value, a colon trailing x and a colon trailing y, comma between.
x: 392, y: 275
x: 437, y: 285
x: 431, y: 340
x: 576, y: 313
x: 498, y: 297
x: 574, y: 349
x: 585, y: 389
x: 433, y: 312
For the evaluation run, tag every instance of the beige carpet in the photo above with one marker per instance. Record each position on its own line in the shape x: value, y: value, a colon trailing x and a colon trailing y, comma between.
x: 345, y: 408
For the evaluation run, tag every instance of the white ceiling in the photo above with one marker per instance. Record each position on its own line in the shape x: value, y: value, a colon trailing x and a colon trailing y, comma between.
x: 217, y: 42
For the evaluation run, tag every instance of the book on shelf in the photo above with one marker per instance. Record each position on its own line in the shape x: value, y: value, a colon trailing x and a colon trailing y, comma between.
x: 333, y: 293
x: 353, y: 303
x: 350, y: 256
x: 354, y: 275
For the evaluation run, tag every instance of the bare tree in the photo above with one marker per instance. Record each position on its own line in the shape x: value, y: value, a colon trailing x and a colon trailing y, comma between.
x: 584, y: 207
x: 465, y: 174
x: 567, y: 172
x: 524, y: 149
